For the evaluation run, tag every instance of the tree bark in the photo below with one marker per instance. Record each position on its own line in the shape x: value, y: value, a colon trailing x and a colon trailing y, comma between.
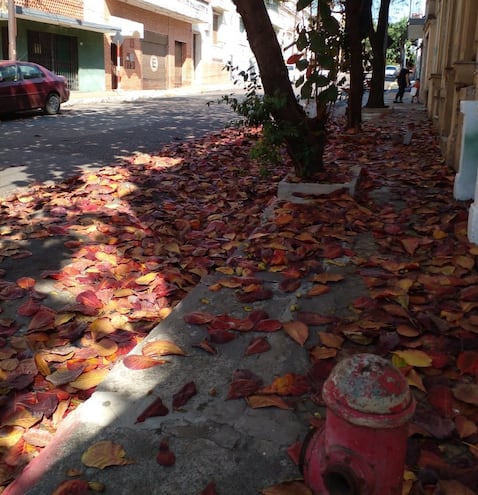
x: 355, y: 9
x: 307, y: 148
x: 378, y: 40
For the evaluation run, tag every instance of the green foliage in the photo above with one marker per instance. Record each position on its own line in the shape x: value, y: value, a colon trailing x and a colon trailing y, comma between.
x: 255, y: 110
x: 319, y: 45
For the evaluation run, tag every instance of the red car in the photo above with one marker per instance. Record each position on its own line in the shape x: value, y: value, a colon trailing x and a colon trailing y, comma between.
x: 28, y: 86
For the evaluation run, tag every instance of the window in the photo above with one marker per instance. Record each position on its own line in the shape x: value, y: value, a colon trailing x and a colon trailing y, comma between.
x: 8, y: 73
x: 216, y: 24
x: 30, y: 72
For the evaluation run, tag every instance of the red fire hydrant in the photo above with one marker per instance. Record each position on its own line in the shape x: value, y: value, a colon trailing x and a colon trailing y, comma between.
x: 362, y: 447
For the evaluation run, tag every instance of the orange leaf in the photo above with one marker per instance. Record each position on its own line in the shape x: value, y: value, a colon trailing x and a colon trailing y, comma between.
x: 331, y: 340
x: 103, y: 454
x: 198, y: 318
x: 162, y: 348
x: 139, y: 362
x: 407, y: 331
x: 90, y: 379
x: 26, y: 282
x: 319, y: 352
x: 259, y: 401
x: 325, y: 277
x: 288, y: 384
x: 105, y: 347
x: 297, y: 331
x: 318, y: 290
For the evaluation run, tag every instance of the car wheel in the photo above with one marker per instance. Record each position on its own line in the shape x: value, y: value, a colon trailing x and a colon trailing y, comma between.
x: 52, y: 104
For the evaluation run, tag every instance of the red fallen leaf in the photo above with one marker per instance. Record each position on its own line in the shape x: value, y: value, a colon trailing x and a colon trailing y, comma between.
x: 156, y: 408
x: 333, y: 251
x: 44, y: 319
x: 198, y: 318
x: 210, y: 489
x: 297, y: 330
x: 181, y: 398
x: 26, y: 282
x: 257, y: 346
x: 268, y: 326
x: 205, y: 345
x: 288, y: 384
x: 257, y: 295
x: 467, y: 362
x: 469, y: 293
x: 294, y: 451
x: 364, y: 302
x: 139, y: 362
x: 441, y: 398
x: 165, y: 457
x: 258, y: 315
x: 220, y: 336
x: 315, y: 319
x: 89, y: 299
x: 72, y: 487
x: 28, y: 308
x: 244, y: 383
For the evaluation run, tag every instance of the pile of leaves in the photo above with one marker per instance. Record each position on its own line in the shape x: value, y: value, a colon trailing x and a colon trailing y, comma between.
x: 142, y: 236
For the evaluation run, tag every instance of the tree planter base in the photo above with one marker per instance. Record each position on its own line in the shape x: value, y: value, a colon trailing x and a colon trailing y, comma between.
x: 304, y: 192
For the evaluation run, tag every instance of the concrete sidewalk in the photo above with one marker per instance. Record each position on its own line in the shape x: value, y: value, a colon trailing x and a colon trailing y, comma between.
x: 214, y: 438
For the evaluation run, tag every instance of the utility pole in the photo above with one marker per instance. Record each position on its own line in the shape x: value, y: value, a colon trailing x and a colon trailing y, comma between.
x: 12, y: 31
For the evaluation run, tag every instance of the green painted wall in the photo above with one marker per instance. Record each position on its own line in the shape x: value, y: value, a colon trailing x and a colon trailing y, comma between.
x: 91, y: 70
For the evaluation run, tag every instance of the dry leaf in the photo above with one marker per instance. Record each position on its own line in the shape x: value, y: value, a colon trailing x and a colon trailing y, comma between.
x: 103, y: 454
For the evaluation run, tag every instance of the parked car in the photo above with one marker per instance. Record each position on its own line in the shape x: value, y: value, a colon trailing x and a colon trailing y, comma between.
x: 28, y: 86
x: 391, y: 71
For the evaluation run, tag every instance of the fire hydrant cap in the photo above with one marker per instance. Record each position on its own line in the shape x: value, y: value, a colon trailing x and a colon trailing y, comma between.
x: 368, y: 390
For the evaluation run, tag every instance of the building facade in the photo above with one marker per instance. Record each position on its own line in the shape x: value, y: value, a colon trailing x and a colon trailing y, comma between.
x: 137, y: 44
x: 450, y: 79
x: 449, y: 67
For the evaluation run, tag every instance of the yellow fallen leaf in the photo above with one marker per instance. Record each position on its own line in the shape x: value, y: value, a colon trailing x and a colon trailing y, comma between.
x: 146, y: 279
x: 89, y: 379
x: 415, y: 357
x: 103, y: 454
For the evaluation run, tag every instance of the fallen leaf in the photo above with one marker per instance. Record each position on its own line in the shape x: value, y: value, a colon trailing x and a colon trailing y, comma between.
x: 296, y: 330
x: 259, y: 401
x: 156, y: 408
x: 467, y: 392
x: 288, y: 384
x: 104, y: 454
x: 90, y: 379
x: 162, y: 348
x: 140, y: 362
x: 257, y: 346
x: 182, y: 397
x: 244, y: 383
x: 165, y: 457
x: 414, y: 357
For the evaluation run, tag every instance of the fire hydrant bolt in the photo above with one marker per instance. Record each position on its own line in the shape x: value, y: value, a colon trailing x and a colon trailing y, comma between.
x: 361, y: 450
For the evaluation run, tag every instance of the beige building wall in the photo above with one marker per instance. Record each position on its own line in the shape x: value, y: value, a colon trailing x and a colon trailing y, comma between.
x: 450, y: 67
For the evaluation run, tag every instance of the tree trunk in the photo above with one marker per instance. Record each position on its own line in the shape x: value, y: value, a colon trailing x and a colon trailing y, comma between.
x: 378, y: 41
x: 307, y: 148
x: 355, y: 9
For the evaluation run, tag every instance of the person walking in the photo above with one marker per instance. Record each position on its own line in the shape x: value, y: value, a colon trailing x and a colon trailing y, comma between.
x: 403, y: 81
